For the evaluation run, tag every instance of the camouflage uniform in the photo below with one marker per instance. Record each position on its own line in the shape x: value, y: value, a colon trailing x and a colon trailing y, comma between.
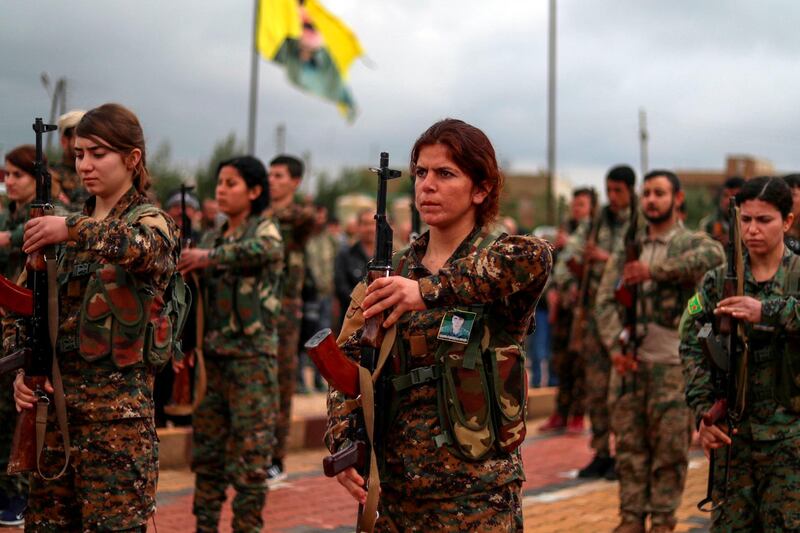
x: 111, y: 481
x: 597, y: 366
x: 648, y: 415
x: 12, y: 262
x: 70, y: 183
x: 423, y: 482
x: 296, y: 224
x: 764, y: 482
x: 234, y: 426
x: 716, y: 225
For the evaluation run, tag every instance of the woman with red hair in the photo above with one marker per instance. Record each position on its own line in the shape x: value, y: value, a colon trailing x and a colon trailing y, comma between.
x: 461, y: 301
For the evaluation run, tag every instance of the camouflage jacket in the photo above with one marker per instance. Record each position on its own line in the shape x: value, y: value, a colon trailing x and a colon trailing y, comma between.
x: 609, y: 234
x: 507, y: 277
x: 296, y: 224
x: 779, y: 329
x: 71, y: 185
x: 242, y: 301
x: 12, y: 260
x: 661, y: 301
x: 321, y: 253
x: 147, y: 249
x: 716, y: 225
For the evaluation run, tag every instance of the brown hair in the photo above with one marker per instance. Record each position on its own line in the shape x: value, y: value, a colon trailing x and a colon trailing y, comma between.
x: 24, y: 157
x: 471, y: 150
x: 116, y: 127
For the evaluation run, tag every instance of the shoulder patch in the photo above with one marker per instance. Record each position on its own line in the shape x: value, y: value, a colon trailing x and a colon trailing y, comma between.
x: 695, y: 305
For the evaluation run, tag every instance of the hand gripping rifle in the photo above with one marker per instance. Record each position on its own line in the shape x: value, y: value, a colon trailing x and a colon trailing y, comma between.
x: 365, y: 431
x: 577, y: 330
x: 185, y: 396
x: 628, y: 297
x: 38, y: 304
x: 725, y: 346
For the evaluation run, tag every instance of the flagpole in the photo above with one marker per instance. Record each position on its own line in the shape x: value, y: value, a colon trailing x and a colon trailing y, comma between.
x: 551, y: 113
x: 251, y: 118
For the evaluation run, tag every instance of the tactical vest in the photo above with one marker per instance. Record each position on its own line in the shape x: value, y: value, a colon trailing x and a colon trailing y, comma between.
x: 482, y: 387
x: 123, y: 316
x: 233, y: 297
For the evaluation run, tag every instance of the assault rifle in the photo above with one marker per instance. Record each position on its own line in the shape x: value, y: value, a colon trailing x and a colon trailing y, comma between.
x: 577, y: 330
x: 416, y: 223
x: 39, y: 307
x: 726, y: 352
x: 365, y: 430
x: 628, y: 297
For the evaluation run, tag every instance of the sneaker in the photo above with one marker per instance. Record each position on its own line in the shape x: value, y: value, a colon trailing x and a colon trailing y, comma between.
x: 556, y: 422
x: 575, y: 425
x: 275, y: 475
x: 597, y: 468
x: 13, y: 515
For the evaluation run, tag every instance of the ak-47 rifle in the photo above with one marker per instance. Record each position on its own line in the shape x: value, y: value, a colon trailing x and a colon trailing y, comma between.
x: 725, y: 347
x: 416, y: 222
x: 628, y: 296
x: 38, y: 304
x: 186, y: 394
x: 577, y: 329
x: 365, y: 430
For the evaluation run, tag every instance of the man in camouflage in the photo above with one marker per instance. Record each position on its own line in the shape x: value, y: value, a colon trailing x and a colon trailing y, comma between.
x: 73, y: 194
x: 717, y: 223
x: 649, y: 418
x: 296, y: 224
x: 612, y: 223
x: 568, y: 365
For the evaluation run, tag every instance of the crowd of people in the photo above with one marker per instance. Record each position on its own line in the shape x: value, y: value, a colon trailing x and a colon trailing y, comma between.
x: 630, y: 288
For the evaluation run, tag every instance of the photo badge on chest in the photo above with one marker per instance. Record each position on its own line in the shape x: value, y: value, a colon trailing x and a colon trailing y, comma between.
x: 456, y: 326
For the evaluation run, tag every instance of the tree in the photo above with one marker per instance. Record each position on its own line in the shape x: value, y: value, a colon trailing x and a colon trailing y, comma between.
x: 207, y: 175
x: 166, y: 176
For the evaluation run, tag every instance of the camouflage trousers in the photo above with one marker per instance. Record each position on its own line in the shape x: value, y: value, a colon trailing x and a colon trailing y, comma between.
x: 233, y: 440
x: 653, y: 429
x: 764, y: 492
x: 597, y: 370
x: 569, y: 367
x: 110, y: 484
x: 288, y: 344
x: 10, y: 486
x: 498, y: 511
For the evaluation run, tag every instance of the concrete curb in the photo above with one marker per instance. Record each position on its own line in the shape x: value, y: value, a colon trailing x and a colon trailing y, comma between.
x: 306, y: 431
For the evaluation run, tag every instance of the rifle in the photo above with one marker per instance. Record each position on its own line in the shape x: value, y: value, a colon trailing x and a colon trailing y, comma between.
x: 416, y: 223
x: 577, y: 330
x: 186, y: 396
x: 628, y: 297
x: 364, y: 435
x: 726, y: 352
x: 39, y: 308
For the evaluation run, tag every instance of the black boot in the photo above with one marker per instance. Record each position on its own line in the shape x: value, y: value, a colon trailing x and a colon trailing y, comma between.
x: 597, y: 468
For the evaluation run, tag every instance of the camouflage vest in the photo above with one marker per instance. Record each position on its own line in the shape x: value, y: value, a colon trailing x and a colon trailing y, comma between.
x: 482, y: 387
x: 787, y: 386
x: 123, y: 317
x: 233, y: 298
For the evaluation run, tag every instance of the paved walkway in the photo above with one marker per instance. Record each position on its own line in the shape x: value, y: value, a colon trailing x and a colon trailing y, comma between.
x: 553, y: 499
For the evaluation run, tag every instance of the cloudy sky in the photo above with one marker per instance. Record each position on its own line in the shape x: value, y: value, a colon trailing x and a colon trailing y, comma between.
x: 716, y: 77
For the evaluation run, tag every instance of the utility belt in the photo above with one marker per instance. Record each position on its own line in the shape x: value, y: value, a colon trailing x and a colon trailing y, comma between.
x: 481, y: 388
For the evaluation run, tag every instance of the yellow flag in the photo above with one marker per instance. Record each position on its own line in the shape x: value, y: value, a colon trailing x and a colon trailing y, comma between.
x: 341, y: 42
x: 277, y: 21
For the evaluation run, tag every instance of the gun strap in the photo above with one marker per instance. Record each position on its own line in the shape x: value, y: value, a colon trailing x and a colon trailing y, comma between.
x: 741, y: 378
x: 58, y: 384
x: 200, y: 378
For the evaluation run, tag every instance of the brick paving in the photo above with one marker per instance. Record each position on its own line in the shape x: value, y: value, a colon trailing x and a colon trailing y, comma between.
x: 553, y: 499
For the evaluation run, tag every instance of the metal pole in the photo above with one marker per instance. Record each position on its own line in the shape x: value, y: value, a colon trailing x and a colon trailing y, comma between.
x: 643, y: 137
x: 280, y: 138
x: 251, y: 117
x: 551, y: 113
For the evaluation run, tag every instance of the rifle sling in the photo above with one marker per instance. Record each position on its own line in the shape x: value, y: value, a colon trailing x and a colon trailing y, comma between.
x: 58, y: 384
x: 369, y: 512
